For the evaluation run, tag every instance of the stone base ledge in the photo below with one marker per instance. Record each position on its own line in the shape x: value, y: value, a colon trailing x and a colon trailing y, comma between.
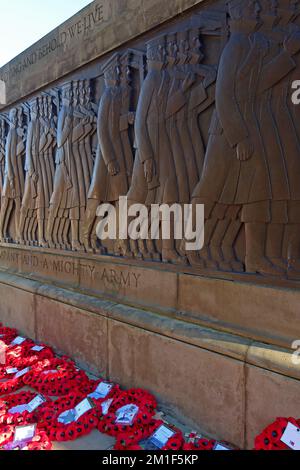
x: 265, y: 313
x: 227, y: 386
x: 266, y: 356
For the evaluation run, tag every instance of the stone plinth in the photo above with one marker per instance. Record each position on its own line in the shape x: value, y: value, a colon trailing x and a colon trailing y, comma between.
x: 256, y: 310
x: 219, y: 382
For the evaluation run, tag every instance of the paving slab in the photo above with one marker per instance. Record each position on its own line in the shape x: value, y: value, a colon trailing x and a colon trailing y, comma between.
x: 94, y: 441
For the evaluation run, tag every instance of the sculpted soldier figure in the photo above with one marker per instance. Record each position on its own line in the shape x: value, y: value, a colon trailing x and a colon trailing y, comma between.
x: 286, y: 246
x: 110, y: 177
x: 230, y: 141
x: 127, y: 116
x: 47, y: 147
x: 159, y: 182
x: 59, y: 201
x: 176, y: 100
x: 13, y: 174
x: 73, y: 204
x: 33, y: 187
x: 79, y: 167
x: 265, y: 219
x: 201, y: 98
x: 183, y: 77
x: 2, y: 151
x: 88, y: 113
x: 236, y: 150
x: 187, y: 99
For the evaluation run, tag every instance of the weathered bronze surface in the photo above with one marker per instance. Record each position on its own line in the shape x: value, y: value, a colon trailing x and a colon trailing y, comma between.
x: 198, y: 112
x: 183, y: 101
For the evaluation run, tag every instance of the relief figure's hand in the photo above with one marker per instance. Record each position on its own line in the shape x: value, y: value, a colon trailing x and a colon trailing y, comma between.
x: 244, y: 150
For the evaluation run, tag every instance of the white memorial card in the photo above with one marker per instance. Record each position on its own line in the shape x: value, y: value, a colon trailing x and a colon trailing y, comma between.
x: 106, y: 405
x: 23, y: 433
x: 11, y: 370
x: 101, y: 391
x: 161, y: 436
x: 67, y: 417
x: 126, y: 414
x: 22, y: 372
x: 18, y: 409
x: 35, y: 403
x: 18, y: 340
x: 37, y: 348
x: 291, y: 437
x: 219, y: 446
x: 82, y: 407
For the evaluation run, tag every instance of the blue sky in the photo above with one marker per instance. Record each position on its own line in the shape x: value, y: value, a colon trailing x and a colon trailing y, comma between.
x: 24, y: 22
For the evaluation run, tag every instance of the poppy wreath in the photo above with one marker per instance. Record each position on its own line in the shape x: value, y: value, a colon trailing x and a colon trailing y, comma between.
x: 200, y: 444
x: 6, y: 434
x: 49, y: 414
x: 135, y: 396
x: 90, y: 386
x: 269, y: 438
x: 58, y: 431
x: 55, y: 377
x: 40, y: 441
x: 5, y: 340
x: 9, y: 401
x: 146, y: 404
x: 11, y: 384
x: 15, y: 353
x: 130, y: 441
x: 6, y: 331
x: 22, y: 356
x: 8, y: 336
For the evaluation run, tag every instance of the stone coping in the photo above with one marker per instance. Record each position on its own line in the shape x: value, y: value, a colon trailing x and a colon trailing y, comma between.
x: 264, y: 312
x: 92, y: 32
x: 262, y: 355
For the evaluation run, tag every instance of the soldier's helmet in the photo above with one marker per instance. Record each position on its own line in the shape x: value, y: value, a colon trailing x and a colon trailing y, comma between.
x: 194, y: 38
x: 156, y: 49
x: 111, y: 68
x: 183, y: 41
x: 244, y: 9
x: 13, y: 114
x: 172, y: 47
x: 87, y: 90
x: 33, y: 106
x: 67, y: 91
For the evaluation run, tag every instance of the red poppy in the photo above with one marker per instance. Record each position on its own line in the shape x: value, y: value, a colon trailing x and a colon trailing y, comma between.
x: 56, y: 377
x: 23, y: 398
x: 270, y: 437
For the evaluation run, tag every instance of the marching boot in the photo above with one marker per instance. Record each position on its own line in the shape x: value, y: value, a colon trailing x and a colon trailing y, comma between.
x: 133, y: 249
x: 275, y: 239
x: 87, y: 225
x: 293, y: 269
x: 49, y: 231
x: 293, y: 255
x: 152, y: 250
x: 76, y: 245
x: 42, y: 242
x: 256, y: 261
x: 227, y: 247
x: 21, y: 227
x: 142, y: 252
x: 170, y: 255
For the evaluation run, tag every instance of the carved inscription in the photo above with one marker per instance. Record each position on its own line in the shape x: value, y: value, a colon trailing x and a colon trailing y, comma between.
x: 200, y: 113
x: 77, y: 30
x: 107, y: 276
